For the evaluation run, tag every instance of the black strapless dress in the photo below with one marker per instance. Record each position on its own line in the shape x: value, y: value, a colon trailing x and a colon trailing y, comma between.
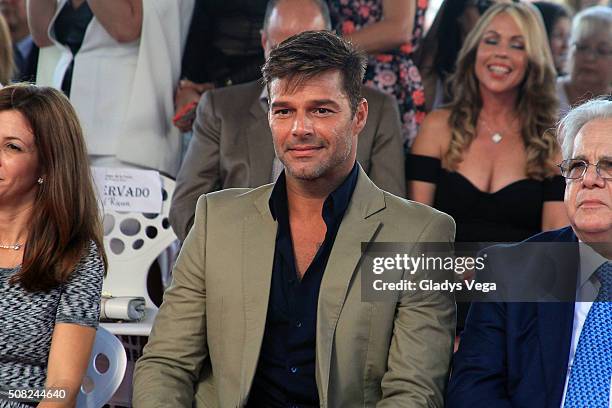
x: 511, y: 214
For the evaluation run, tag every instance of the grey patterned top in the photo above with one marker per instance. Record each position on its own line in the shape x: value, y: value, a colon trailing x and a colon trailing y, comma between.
x: 27, y: 320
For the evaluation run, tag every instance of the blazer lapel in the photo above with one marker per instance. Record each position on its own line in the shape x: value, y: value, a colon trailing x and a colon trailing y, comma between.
x: 259, y: 237
x: 260, y: 146
x: 343, y: 261
x: 555, y: 325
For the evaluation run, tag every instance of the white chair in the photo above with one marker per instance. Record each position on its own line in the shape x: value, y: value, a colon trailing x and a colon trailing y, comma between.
x: 133, y: 242
x: 105, y: 371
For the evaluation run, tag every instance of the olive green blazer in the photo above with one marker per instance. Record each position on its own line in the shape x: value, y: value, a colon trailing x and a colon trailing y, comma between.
x: 205, y: 343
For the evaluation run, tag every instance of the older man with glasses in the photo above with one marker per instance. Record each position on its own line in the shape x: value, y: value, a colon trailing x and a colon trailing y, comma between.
x: 553, y: 354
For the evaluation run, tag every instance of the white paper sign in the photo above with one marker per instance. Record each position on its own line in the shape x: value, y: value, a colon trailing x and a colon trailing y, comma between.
x: 131, y: 190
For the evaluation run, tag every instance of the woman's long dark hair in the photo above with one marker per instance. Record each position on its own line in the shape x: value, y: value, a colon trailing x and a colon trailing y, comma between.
x: 65, y: 217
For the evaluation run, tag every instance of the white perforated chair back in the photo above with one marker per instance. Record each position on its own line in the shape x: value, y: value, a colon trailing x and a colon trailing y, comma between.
x: 105, y: 371
x: 133, y: 241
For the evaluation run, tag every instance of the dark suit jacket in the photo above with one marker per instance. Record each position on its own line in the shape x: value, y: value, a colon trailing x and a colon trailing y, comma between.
x: 232, y: 147
x: 26, y: 66
x: 516, y: 354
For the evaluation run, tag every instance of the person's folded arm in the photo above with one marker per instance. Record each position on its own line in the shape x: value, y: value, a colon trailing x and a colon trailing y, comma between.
x: 422, y: 342
x: 122, y: 19
x: 40, y: 13
x: 166, y: 374
x: 479, y: 367
x: 392, y: 31
x: 199, y: 173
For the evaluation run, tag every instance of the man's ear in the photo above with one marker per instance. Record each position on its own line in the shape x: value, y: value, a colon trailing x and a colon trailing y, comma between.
x: 361, y: 115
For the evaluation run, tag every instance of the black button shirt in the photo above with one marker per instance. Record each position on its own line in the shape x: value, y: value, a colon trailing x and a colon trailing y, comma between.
x: 285, y: 375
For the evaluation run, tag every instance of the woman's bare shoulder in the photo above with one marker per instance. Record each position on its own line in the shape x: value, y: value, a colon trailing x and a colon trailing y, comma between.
x: 434, y: 134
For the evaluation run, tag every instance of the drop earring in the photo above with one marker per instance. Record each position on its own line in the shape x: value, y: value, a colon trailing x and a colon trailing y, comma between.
x: 40, y: 180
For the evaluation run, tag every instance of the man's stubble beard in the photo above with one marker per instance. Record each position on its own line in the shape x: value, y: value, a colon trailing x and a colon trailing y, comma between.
x: 321, y: 168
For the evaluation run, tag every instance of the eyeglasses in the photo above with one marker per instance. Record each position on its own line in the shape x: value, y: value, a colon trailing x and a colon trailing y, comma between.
x: 574, y: 169
x: 596, y: 52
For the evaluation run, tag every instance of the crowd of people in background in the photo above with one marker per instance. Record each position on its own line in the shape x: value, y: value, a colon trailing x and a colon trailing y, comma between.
x: 129, y: 69
x: 144, y: 62
x: 460, y: 117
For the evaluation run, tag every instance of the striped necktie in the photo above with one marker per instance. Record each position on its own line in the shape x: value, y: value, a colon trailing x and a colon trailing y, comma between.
x: 589, y: 380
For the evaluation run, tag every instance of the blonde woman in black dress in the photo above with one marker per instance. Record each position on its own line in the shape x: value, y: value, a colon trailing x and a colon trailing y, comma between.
x: 487, y: 159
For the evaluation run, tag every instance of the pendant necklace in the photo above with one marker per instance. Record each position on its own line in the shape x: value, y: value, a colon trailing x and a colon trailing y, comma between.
x: 496, y: 137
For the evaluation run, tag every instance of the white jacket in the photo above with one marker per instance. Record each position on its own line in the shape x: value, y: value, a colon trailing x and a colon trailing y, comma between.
x: 124, y: 93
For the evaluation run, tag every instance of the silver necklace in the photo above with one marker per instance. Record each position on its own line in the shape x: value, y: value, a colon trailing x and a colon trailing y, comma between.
x: 496, y: 137
x: 16, y: 246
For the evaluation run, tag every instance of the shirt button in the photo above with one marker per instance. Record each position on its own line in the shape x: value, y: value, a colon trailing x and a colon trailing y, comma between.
x: 298, y: 324
x: 293, y: 370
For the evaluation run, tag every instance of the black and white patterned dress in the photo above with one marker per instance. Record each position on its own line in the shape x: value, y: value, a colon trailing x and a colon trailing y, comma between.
x: 27, y: 321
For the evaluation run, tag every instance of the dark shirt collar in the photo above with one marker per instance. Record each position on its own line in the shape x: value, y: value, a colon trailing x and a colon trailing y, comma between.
x: 337, y: 201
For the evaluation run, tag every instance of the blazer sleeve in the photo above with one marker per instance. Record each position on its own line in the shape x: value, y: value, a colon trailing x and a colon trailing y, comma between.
x: 199, y: 173
x: 172, y: 360
x: 387, y: 157
x: 423, y: 337
x: 479, y: 369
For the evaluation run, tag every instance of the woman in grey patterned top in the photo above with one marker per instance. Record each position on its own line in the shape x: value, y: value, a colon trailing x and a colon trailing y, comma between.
x: 52, y: 260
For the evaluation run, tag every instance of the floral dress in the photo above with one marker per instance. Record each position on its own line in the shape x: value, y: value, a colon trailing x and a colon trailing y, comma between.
x: 393, y: 72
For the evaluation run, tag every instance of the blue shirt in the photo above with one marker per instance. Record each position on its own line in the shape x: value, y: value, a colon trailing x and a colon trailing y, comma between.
x: 285, y: 375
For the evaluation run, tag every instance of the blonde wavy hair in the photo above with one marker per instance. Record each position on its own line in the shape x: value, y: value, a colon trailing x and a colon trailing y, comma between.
x: 536, y: 104
x: 7, y: 66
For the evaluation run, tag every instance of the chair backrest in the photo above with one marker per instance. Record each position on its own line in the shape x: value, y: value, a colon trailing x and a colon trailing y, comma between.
x: 105, y: 371
x: 133, y: 241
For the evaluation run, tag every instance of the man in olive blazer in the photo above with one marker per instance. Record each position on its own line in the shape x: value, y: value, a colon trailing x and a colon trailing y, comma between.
x: 232, y: 142
x: 266, y: 305
x: 232, y: 147
x: 205, y: 344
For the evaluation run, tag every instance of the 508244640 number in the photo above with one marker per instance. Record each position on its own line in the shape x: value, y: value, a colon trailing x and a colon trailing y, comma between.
x: 37, y: 394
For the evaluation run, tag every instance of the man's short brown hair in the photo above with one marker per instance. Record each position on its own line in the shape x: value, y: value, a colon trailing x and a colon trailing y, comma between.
x: 311, y: 53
